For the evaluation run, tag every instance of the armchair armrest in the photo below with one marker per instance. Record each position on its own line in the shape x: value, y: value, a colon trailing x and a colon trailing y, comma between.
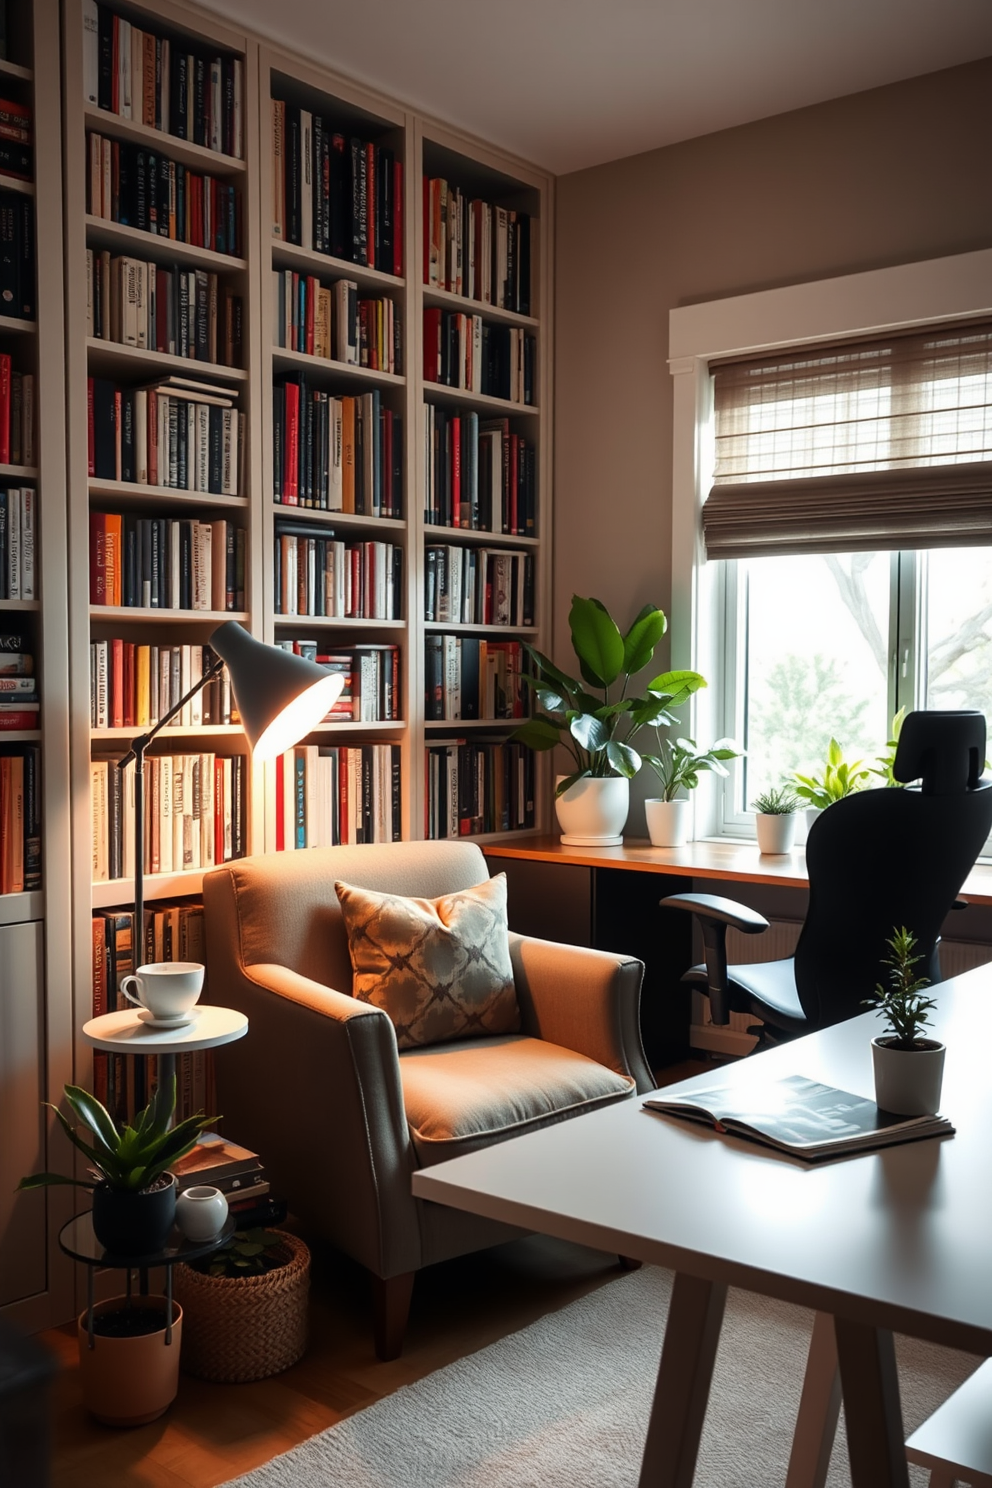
x: 715, y: 914
x: 584, y: 1000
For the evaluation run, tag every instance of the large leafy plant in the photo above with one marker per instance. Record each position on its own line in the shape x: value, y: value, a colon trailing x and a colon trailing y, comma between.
x: 127, y: 1157
x: 592, y: 716
x: 840, y: 778
x: 902, y: 1002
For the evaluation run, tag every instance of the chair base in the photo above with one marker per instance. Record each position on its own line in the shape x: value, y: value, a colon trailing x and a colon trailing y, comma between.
x: 390, y: 1312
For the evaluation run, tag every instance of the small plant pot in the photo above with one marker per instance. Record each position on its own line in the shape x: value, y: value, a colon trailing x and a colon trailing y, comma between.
x: 129, y: 1379
x: 134, y: 1222
x: 776, y: 831
x: 201, y: 1212
x: 593, y: 812
x: 668, y: 822
x: 908, y: 1081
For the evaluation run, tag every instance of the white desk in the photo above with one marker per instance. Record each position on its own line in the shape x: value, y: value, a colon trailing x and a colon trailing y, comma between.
x: 891, y: 1241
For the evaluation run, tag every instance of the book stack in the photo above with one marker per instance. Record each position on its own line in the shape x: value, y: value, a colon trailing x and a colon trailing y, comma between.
x: 17, y: 444
x: 19, y: 703
x: 317, y: 574
x: 478, y: 586
x: 187, y: 313
x: 15, y: 140
x: 18, y: 543
x: 17, y: 258
x: 335, y: 193
x: 336, y: 322
x: 326, y: 796
x: 194, y: 814
x: 476, y: 249
x: 480, y: 474
x: 163, y: 83
x: 478, y: 787
x: 138, y: 188
x: 217, y: 1163
x: 166, y: 563
x: 133, y: 686
x: 177, y: 432
x: 469, y: 677
x: 336, y: 454
x: 371, y: 692
x: 20, y: 816
x: 464, y: 351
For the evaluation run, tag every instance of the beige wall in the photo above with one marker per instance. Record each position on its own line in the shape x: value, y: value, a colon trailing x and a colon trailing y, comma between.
x: 878, y: 178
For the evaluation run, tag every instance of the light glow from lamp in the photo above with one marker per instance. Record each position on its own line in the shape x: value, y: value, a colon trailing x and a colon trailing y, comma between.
x: 280, y: 696
x: 299, y: 717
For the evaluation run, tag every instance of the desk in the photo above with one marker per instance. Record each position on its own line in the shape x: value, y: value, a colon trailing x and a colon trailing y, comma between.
x: 889, y: 1241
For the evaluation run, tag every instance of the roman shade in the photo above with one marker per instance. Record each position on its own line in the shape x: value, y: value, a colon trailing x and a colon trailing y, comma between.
x: 874, y: 445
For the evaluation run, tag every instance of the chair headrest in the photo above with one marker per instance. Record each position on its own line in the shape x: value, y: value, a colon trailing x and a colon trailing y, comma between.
x: 946, y: 749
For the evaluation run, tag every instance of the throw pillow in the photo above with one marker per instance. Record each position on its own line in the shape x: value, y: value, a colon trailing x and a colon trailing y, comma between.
x: 439, y: 967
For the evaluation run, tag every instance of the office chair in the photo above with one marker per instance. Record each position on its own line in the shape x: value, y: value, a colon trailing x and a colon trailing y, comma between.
x: 877, y: 860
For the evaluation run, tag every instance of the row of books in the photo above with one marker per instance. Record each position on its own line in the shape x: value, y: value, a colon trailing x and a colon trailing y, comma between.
x: 17, y: 444
x: 333, y: 193
x: 177, y: 432
x: 318, y: 574
x: 19, y: 703
x: 471, y: 677
x: 336, y: 454
x: 465, y: 351
x: 185, y: 312
x: 16, y: 140
x: 330, y: 795
x: 479, y: 474
x: 136, y: 187
x: 474, y: 248
x: 336, y: 322
x: 17, y: 256
x: 194, y: 813
x: 371, y: 692
x: 180, y: 89
x: 478, y: 787
x: 19, y: 543
x: 478, y: 586
x: 20, y: 818
x: 133, y: 686
x: 166, y: 563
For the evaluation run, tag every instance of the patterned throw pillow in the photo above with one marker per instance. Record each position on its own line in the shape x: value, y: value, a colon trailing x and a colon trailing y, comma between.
x: 439, y: 967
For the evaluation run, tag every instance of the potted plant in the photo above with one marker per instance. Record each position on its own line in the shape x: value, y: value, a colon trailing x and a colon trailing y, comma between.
x: 840, y: 778
x: 884, y: 762
x: 678, y: 766
x: 775, y: 818
x: 909, y: 1067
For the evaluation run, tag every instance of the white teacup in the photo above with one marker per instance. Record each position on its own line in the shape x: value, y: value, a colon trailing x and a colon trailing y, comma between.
x: 167, y: 989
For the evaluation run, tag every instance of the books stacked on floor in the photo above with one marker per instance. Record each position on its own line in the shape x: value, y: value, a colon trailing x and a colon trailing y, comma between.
x: 217, y: 1163
x: 192, y: 93
x: 136, y: 187
x: 133, y: 686
x: 473, y: 678
x: 326, y: 796
x: 15, y: 140
x: 194, y: 814
x: 317, y: 574
x: 20, y: 816
x: 336, y: 454
x: 371, y: 692
x: 476, y: 249
x: 17, y: 443
x: 335, y: 193
x: 17, y: 258
x: 178, y: 432
x: 478, y: 787
x: 464, y: 351
x: 478, y: 586
x: 166, y: 563
x: 336, y: 322
x: 480, y: 474
x: 18, y: 543
x: 185, y: 312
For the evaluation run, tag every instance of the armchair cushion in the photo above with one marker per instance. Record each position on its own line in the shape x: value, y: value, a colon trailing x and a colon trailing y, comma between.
x: 440, y: 968
x: 472, y: 1093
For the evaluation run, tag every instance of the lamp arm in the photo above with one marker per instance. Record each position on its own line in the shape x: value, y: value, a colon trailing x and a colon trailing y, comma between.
x: 141, y: 744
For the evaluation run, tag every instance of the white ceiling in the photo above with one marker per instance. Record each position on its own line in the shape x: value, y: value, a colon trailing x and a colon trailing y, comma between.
x: 572, y: 83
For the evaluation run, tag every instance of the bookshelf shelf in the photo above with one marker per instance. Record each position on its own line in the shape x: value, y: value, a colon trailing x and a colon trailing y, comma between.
x: 28, y: 605
x: 306, y: 261
x: 100, y: 233
x: 14, y: 325
x: 284, y: 360
x: 15, y: 70
x: 19, y: 472
x: 437, y: 392
x: 167, y: 617
x: 352, y: 521
x: 120, y: 891
x: 444, y: 299
x: 18, y: 909
x: 20, y: 736
x: 453, y: 627
x: 14, y: 183
x: 110, y: 358
x: 476, y: 725
x: 172, y: 731
x: 477, y: 535
x: 130, y: 494
x: 330, y: 622
x: 197, y: 157
x: 351, y: 725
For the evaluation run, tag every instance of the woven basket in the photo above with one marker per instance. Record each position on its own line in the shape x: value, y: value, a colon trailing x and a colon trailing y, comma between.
x: 246, y: 1327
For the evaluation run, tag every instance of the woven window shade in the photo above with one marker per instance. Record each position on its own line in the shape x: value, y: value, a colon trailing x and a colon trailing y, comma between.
x: 883, y: 444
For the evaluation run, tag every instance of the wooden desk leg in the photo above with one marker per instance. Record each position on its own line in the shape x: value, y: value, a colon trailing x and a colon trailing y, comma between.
x: 876, y: 1442
x: 819, y: 1408
x: 691, y: 1337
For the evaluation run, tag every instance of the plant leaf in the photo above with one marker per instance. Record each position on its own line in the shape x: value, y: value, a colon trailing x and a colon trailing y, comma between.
x: 642, y: 637
x: 569, y: 780
x: 596, y: 640
x: 589, y: 732
x: 625, y: 761
x: 678, y: 685
x: 537, y: 733
x: 87, y: 1109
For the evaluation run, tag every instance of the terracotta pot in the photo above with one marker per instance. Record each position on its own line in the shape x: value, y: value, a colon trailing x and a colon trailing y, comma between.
x: 776, y: 831
x: 593, y: 812
x: 131, y: 1222
x: 668, y: 822
x: 130, y: 1381
x: 908, y: 1081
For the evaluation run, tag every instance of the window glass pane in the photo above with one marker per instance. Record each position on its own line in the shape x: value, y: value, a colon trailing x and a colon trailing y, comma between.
x: 815, y: 663
x: 957, y: 618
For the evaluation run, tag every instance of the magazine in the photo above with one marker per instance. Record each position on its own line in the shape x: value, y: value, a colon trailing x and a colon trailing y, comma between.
x: 800, y: 1116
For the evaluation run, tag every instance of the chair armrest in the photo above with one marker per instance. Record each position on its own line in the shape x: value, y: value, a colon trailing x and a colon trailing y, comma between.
x: 724, y: 911
x: 715, y: 914
x: 584, y: 1000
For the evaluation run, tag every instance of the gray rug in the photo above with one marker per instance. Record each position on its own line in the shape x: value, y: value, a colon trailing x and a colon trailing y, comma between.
x: 564, y: 1404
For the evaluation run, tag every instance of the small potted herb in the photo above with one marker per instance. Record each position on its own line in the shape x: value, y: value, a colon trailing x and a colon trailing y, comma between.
x: 678, y: 766
x: 775, y: 818
x: 840, y: 778
x: 909, y: 1067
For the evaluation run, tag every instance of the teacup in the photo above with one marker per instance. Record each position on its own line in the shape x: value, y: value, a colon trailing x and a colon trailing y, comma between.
x: 167, y: 989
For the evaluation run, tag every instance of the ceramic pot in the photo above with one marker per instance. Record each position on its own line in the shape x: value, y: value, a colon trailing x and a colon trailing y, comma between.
x: 668, y: 822
x: 593, y: 812
x: 908, y: 1081
x: 776, y: 831
x: 813, y: 814
x: 129, y: 1381
x: 131, y: 1222
x: 201, y: 1212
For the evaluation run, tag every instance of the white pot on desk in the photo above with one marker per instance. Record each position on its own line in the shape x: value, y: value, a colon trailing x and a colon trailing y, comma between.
x: 908, y: 1081
x: 776, y: 831
x: 668, y: 822
x: 593, y: 811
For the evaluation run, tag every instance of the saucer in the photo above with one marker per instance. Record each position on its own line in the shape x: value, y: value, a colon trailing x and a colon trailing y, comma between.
x: 182, y: 1021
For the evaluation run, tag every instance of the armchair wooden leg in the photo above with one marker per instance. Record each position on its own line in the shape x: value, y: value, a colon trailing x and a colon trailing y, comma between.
x: 391, y: 1309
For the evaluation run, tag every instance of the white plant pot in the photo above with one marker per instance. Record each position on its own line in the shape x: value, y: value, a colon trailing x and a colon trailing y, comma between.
x: 908, y: 1081
x: 668, y: 822
x: 811, y: 813
x: 776, y: 831
x: 593, y: 812
x: 201, y: 1212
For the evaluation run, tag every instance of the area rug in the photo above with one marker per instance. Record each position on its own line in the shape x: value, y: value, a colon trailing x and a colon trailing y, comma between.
x: 564, y: 1404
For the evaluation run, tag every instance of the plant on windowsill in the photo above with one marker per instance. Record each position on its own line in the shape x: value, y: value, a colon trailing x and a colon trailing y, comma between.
x: 884, y: 762
x: 678, y: 766
x: 908, y: 1066
x: 840, y: 778
x: 775, y: 818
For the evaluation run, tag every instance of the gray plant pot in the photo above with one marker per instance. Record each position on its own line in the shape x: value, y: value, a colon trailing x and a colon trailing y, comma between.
x: 908, y: 1081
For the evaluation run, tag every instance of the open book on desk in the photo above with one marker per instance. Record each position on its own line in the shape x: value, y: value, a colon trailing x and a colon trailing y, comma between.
x: 799, y: 1116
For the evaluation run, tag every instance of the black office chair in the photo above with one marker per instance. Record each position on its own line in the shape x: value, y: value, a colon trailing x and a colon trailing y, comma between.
x: 876, y: 860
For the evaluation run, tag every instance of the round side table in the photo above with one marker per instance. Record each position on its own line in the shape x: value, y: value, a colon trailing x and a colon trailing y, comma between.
x: 126, y: 1032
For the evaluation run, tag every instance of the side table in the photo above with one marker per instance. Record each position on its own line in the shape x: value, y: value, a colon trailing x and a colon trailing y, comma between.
x: 126, y: 1032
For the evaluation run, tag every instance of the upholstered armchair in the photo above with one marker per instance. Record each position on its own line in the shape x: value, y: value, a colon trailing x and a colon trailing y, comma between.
x: 341, y: 1116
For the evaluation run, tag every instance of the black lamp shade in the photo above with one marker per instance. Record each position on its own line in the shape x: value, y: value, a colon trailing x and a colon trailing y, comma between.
x: 280, y: 696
